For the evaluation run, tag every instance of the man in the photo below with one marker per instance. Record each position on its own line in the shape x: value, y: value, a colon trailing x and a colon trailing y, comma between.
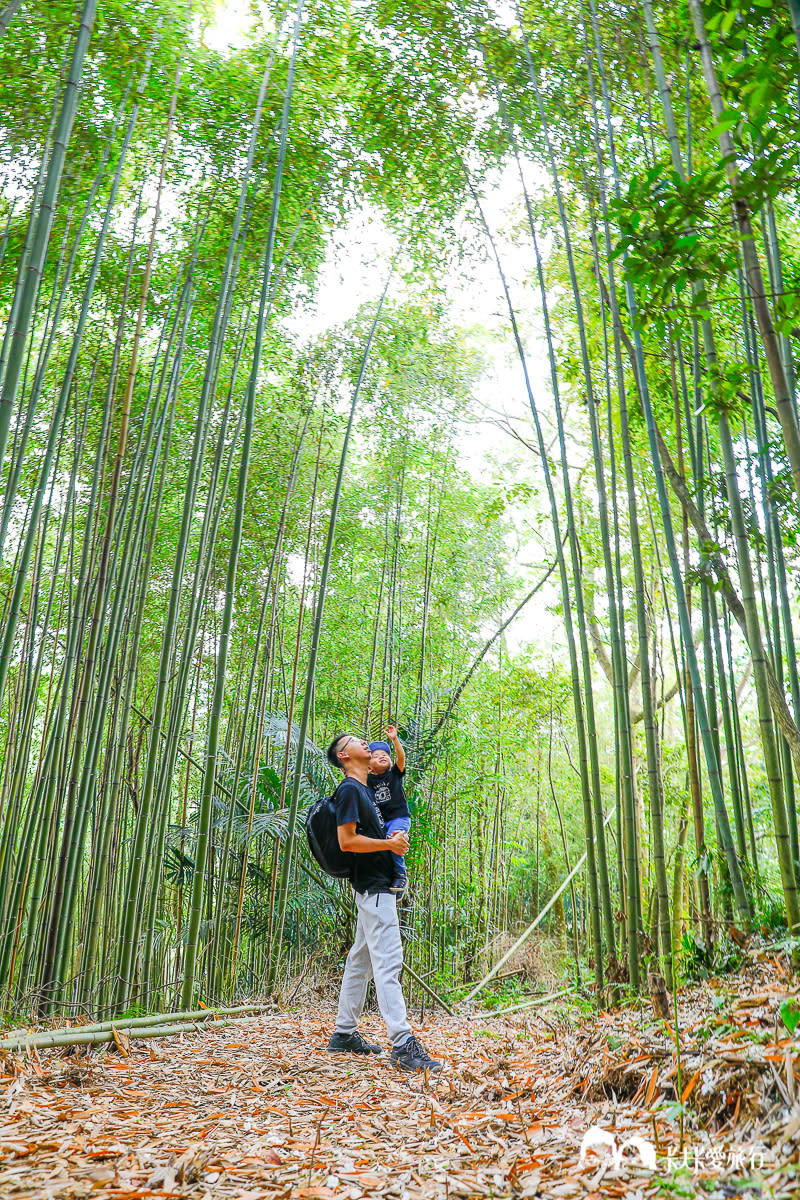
x: 377, y: 952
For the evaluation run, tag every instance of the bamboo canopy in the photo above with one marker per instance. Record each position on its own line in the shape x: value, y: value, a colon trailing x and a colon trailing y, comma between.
x: 433, y: 366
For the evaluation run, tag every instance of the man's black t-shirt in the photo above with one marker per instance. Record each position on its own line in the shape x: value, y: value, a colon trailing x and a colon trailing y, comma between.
x: 374, y: 870
x: 389, y: 794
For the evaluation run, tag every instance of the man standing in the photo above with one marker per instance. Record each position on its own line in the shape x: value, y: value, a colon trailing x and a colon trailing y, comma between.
x: 377, y: 952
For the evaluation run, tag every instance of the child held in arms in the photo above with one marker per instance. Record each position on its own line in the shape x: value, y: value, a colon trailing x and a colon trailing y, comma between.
x: 386, y: 780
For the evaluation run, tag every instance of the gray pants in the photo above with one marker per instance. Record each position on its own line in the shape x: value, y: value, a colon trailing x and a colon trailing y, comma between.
x: 377, y: 953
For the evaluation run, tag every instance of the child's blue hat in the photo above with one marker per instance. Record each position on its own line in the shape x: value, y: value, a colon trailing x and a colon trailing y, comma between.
x: 380, y: 746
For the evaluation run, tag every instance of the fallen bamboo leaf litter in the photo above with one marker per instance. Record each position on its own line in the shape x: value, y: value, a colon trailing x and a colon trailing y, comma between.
x: 257, y: 1110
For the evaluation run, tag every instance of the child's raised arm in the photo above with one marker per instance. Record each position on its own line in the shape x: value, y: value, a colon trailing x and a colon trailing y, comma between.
x: 399, y: 752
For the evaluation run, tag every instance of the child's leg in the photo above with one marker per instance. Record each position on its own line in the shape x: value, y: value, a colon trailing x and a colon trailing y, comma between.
x: 392, y: 826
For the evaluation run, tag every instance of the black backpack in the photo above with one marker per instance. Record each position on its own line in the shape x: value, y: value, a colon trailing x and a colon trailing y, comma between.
x: 323, y: 838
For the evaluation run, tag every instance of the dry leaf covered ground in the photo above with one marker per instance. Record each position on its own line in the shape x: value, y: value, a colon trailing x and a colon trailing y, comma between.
x: 258, y: 1109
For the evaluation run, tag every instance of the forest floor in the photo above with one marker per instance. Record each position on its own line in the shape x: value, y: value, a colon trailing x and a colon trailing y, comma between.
x: 257, y: 1110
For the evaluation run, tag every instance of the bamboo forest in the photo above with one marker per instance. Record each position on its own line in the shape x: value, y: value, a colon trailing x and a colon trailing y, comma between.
x: 422, y: 373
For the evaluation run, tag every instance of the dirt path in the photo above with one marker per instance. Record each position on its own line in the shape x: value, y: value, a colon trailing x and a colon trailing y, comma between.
x: 258, y: 1109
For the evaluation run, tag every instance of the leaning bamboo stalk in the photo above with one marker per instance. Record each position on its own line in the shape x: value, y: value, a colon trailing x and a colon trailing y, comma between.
x: 479, y: 657
x: 426, y: 987
x: 523, y: 937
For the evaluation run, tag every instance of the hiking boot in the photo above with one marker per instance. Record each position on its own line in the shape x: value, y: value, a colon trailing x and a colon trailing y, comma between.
x: 351, y: 1043
x: 412, y: 1056
x: 399, y: 884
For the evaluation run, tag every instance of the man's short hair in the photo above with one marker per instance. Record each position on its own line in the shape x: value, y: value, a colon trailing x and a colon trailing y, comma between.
x: 333, y: 752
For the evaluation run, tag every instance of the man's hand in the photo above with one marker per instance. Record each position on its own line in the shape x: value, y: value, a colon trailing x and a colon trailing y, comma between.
x: 398, y: 843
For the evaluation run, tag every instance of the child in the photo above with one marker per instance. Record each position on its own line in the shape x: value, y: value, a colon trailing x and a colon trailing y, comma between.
x: 386, y: 781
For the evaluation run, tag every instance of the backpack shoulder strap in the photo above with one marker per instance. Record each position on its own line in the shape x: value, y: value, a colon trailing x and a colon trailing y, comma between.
x: 362, y: 799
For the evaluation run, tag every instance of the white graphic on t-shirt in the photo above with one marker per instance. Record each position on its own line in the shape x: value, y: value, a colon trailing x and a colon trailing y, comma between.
x: 382, y: 794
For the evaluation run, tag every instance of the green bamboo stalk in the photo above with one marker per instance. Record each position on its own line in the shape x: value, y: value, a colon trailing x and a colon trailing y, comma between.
x: 739, y: 744
x: 590, y: 790
x: 10, y: 845
x: 47, y: 794
x: 794, y: 10
x: 727, y: 727
x: 784, y: 401
x: 31, y: 225
x: 59, y: 295
x: 204, y: 817
x: 7, y: 14
x: 260, y: 709
x: 780, y: 614
x: 748, y: 596
x: 56, y: 960
x: 33, y: 275
x: 128, y: 941
x: 295, y: 664
x: 157, y: 830
x: 655, y: 780
x: 314, y: 650
x: 769, y: 746
x: 622, y: 716
x: 712, y: 764
x: 12, y: 616
x: 151, y: 512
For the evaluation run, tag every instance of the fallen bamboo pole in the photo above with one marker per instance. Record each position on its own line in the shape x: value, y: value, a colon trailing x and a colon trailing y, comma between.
x: 125, y: 1023
x: 540, y: 917
x: 536, y: 1002
x: 93, y: 1037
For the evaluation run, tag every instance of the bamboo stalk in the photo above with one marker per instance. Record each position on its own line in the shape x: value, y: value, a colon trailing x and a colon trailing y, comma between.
x: 44, y: 224
x: 537, y: 1002
x: 7, y: 14
x: 533, y: 925
x: 159, y: 1018
x: 97, y: 1037
x: 204, y: 820
x: 315, y: 640
x: 426, y: 987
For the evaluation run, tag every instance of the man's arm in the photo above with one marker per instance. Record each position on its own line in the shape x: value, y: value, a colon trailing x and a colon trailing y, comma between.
x: 399, y: 752
x: 358, y: 843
